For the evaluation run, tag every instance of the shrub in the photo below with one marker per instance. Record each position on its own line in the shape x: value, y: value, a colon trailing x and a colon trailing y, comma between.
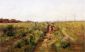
x: 9, y: 30
x: 19, y: 44
x: 65, y: 44
x: 22, y: 33
x: 32, y: 40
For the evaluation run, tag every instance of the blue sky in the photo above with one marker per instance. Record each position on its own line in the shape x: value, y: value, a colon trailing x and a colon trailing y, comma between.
x: 43, y: 10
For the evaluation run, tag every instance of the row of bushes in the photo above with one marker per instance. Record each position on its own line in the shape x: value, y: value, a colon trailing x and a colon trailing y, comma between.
x: 31, y: 34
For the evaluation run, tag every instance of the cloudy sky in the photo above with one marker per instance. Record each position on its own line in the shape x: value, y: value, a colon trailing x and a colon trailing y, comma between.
x: 43, y: 10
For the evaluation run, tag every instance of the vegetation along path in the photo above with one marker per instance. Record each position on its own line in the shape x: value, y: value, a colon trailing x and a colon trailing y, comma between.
x: 46, y: 43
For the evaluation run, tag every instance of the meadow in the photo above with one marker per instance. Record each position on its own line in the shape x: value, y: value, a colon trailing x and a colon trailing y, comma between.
x: 24, y: 37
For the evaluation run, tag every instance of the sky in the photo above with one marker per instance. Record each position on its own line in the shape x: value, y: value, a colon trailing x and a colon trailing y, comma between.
x: 43, y: 10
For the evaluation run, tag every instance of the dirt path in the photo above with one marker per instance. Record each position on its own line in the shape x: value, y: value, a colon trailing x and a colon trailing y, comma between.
x: 46, y: 44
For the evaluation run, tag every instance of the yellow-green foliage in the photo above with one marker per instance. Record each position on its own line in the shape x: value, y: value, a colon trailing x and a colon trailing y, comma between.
x: 31, y: 32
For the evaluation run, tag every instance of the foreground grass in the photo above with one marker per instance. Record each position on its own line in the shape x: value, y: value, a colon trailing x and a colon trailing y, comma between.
x: 26, y: 35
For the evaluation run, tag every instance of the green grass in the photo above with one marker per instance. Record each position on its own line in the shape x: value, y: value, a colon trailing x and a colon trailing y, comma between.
x: 32, y: 32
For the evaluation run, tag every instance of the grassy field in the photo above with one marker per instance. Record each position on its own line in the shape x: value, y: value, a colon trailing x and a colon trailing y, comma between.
x: 24, y: 37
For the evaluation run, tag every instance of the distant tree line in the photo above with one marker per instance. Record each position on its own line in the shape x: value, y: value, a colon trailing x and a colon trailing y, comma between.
x: 9, y: 21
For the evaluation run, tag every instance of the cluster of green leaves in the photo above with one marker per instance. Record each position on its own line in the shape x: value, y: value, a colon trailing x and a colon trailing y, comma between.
x: 9, y: 30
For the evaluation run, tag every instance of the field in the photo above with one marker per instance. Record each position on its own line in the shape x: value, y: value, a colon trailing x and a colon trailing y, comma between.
x: 42, y: 37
